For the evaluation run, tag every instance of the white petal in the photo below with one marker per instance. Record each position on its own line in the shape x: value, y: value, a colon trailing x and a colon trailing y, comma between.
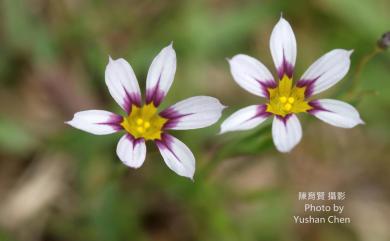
x: 326, y: 71
x: 131, y: 151
x: 192, y: 113
x: 160, y: 76
x: 283, y: 48
x: 177, y: 156
x: 98, y: 122
x: 251, y: 74
x: 286, y: 132
x: 337, y: 113
x: 245, y: 119
x: 122, y: 83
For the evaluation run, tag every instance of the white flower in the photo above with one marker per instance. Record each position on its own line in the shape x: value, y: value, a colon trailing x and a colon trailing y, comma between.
x: 284, y: 100
x: 143, y: 122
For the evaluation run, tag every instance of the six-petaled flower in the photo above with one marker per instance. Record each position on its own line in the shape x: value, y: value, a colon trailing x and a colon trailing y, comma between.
x: 284, y: 99
x: 143, y: 121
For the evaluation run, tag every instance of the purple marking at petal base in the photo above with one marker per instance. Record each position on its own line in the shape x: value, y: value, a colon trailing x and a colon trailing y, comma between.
x: 114, y: 121
x: 155, y: 94
x: 169, y: 113
x: 173, y: 117
x: 166, y: 139
x: 309, y: 84
x: 166, y: 143
x: 284, y: 119
x: 316, y: 107
x: 285, y: 69
x: 261, y: 112
x: 131, y: 99
x: 135, y: 141
x: 265, y: 85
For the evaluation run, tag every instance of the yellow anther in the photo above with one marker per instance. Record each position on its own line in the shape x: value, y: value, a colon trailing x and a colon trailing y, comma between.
x: 286, y: 98
x: 144, y: 122
x: 140, y: 129
x: 287, y: 106
x: 283, y: 99
x: 147, y: 124
x: 139, y: 121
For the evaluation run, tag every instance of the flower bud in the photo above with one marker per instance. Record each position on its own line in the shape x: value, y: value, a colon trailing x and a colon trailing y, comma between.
x: 384, y: 41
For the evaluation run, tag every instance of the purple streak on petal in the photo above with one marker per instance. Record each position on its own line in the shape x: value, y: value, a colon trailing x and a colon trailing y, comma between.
x: 261, y: 112
x: 309, y: 84
x: 166, y: 140
x: 173, y: 117
x: 285, y: 69
x: 133, y: 140
x: 265, y: 85
x: 166, y: 144
x: 316, y: 107
x: 131, y: 99
x: 155, y: 94
x: 114, y: 121
x: 284, y: 119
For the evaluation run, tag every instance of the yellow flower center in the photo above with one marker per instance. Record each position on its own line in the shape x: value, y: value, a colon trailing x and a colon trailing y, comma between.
x: 144, y: 122
x: 286, y: 99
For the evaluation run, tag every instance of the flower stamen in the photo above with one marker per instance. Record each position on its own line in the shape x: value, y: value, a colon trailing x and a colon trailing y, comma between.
x: 287, y: 107
x: 140, y: 121
x: 144, y: 122
x: 286, y: 98
x: 283, y: 99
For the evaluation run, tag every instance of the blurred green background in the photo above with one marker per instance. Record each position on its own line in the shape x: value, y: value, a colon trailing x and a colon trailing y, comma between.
x: 58, y: 183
